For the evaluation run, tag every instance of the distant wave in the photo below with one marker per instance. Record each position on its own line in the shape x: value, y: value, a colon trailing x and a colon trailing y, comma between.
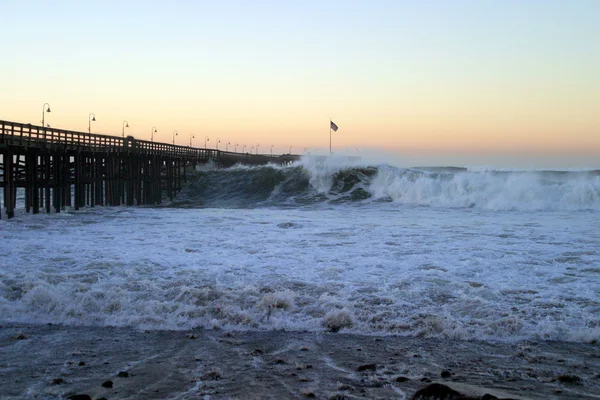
x: 331, y: 181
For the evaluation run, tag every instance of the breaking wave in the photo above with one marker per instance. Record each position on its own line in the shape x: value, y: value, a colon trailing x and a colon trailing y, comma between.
x: 318, y: 181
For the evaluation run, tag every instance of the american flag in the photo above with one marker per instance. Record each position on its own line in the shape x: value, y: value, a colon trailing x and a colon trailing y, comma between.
x: 333, y: 126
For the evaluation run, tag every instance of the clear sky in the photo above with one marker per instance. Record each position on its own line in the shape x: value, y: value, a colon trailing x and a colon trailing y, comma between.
x: 470, y: 81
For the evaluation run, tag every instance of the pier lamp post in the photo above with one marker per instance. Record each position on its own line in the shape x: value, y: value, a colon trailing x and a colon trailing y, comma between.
x: 44, y: 111
x: 175, y: 134
x: 251, y: 149
x: 271, y: 150
x: 206, y: 139
x: 235, y: 149
x: 227, y: 146
x: 125, y: 125
x: 244, y: 149
x: 257, y: 146
x: 290, y: 152
x: 191, y: 137
x: 152, y: 133
x: 92, y: 117
x: 218, y: 141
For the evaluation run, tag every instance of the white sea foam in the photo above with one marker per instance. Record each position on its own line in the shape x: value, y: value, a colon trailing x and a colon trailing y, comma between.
x: 483, y: 189
x: 387, y: 269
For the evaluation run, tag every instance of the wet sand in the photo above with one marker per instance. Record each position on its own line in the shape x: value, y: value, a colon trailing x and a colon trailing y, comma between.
x: 54, y: 362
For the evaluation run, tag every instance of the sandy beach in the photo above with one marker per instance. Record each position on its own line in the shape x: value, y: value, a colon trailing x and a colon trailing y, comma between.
x: 55, y: 362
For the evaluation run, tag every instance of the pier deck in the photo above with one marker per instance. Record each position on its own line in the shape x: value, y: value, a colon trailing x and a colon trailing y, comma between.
x: 60, y: 168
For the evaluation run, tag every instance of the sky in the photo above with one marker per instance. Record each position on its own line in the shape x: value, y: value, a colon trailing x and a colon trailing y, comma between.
x: 463, y: 82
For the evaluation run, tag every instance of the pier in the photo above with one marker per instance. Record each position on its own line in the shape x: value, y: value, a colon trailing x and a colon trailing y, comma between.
x: 60, y: 168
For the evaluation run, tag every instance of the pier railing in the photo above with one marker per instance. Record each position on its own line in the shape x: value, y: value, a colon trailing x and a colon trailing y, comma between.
x: 26, y: 135
x: 14, y: 134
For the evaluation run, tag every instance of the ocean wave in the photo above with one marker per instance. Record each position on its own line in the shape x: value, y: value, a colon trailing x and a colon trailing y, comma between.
x: 163, y: 303
x: 327, y: 180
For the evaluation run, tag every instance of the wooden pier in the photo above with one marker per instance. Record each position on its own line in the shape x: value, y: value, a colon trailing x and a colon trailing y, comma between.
x: 59, y: 168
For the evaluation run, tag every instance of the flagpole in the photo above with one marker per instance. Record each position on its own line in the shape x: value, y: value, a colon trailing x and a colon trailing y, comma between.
x: 329, y: 136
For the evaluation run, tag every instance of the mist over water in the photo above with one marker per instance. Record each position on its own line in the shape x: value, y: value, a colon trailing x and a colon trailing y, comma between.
x: 432, y: 252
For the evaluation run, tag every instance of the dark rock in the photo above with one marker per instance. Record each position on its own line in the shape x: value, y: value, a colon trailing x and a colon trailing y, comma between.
x: 436, y: 391
x: 20, y: 336
x: 123, y: 374
x: 107, y: 384
x: 280, y: 361
x: 488, y: 396
x: 573, y: 379
x: 426, y: 380
x: 445, y: 374
x: 308, y: 393
x: 367, y: 367
x: 402, y: 379
x: 81, y: 363
x: 213, y: 375
x: 58, y: 381
x: 257, y: 352
x: 79, y: 397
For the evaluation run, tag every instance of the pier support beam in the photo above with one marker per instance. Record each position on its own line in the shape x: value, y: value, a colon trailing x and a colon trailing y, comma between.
x: 9, y: 184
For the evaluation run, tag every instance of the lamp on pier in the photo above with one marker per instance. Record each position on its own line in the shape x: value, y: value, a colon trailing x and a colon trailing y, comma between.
x: 271, y: 150
x: 175, y: 134
x: 235, y: 148
x: 227, y: 146
x: 218, y: 141
x: 125, y: 125
x: 44, y: 111
x: 206, y: 139
x: 152, y: 133
x: 92, y: 117
x: 191, y: 137
x: 257, y: 146
x: 244, y: 149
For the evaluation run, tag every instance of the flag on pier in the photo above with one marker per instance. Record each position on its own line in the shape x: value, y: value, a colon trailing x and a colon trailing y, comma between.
x: 333, y: 126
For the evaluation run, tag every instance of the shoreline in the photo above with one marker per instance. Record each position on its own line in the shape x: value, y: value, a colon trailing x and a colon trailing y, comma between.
x: 52, y: 361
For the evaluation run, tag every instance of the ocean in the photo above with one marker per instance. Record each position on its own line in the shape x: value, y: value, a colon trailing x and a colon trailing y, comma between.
x: 450, y: 253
